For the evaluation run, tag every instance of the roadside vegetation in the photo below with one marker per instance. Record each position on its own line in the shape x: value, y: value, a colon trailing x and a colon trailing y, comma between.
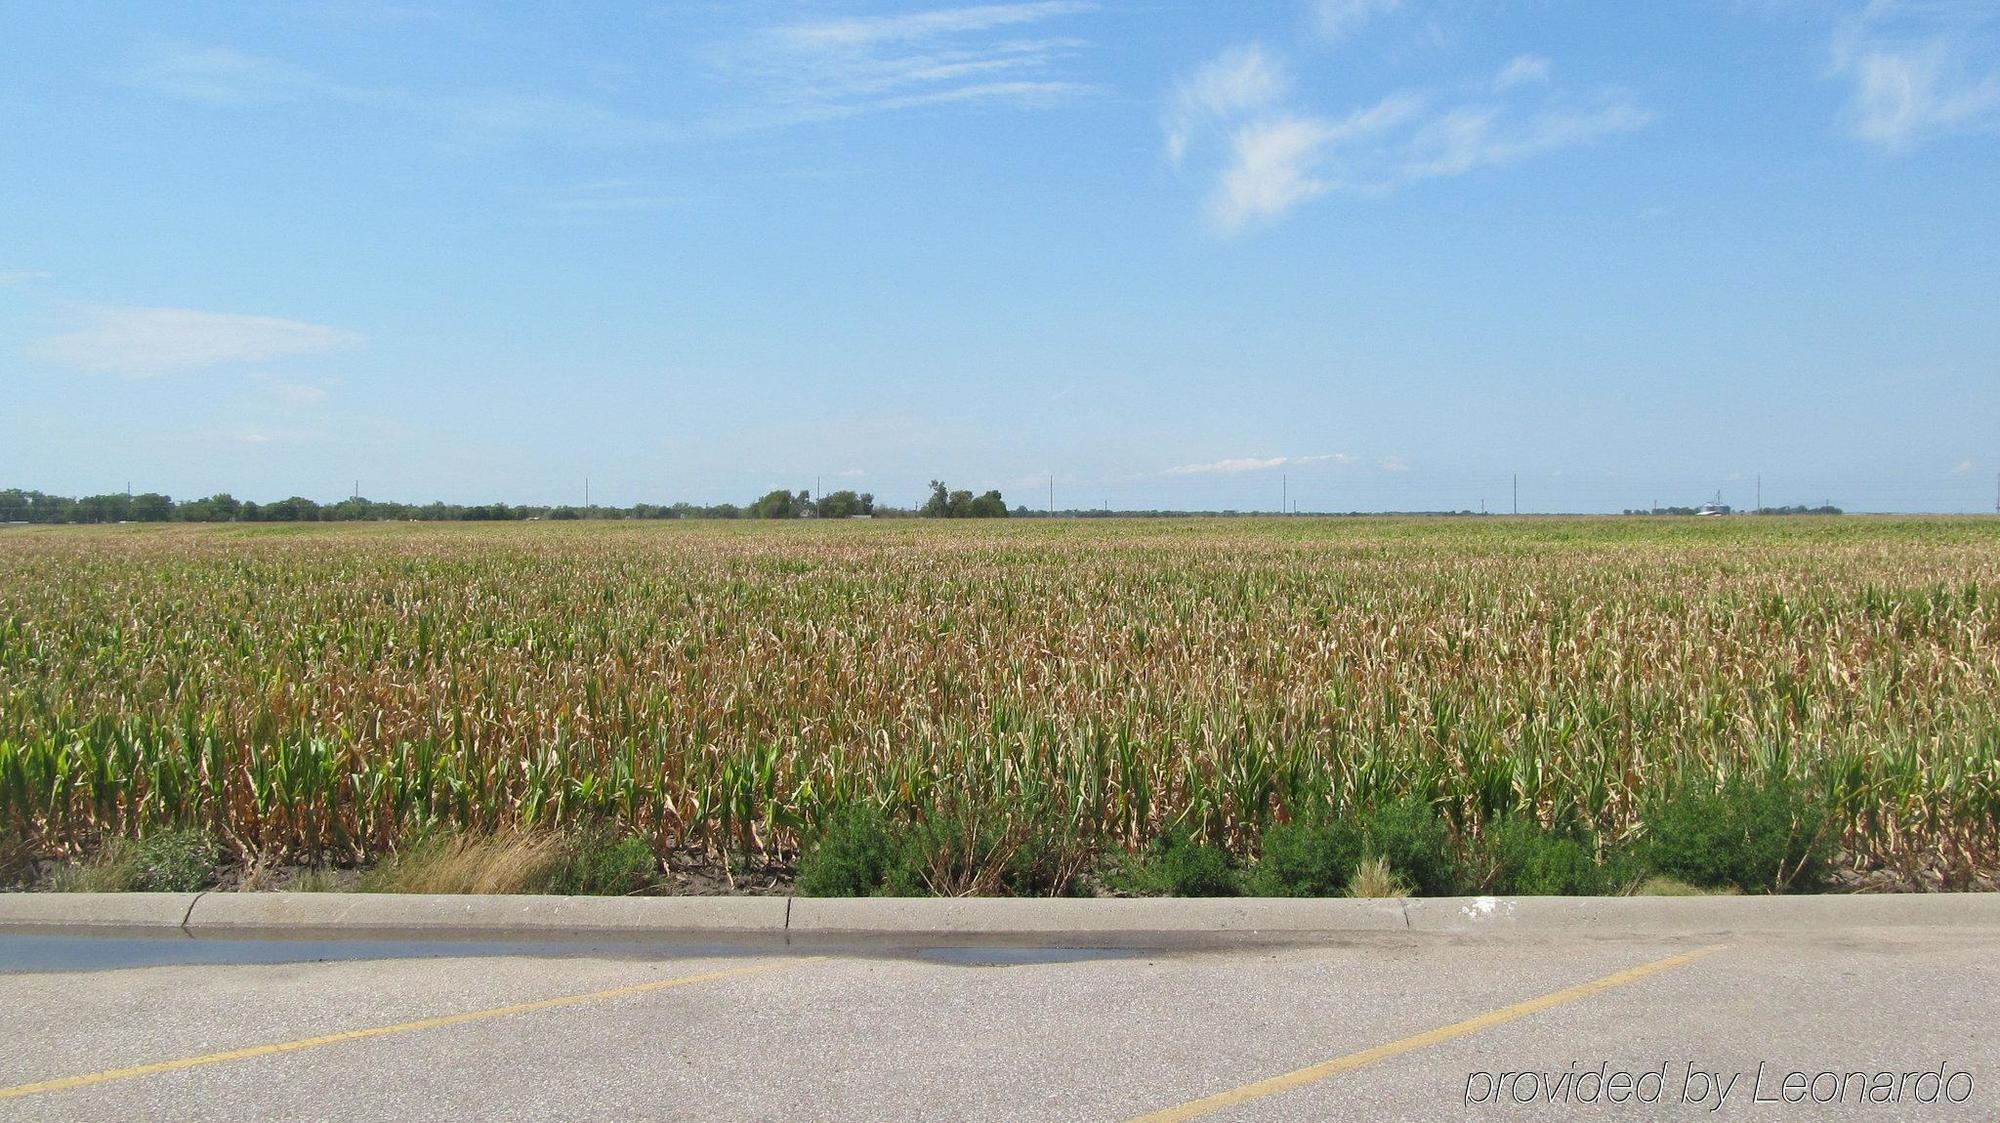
x: 1297, y: 707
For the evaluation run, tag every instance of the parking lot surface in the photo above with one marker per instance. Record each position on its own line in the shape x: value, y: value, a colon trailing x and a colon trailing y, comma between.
x: 1366, y: 1029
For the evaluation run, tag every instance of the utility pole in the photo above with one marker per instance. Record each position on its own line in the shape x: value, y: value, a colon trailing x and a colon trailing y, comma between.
x: 1517, y: 493
x: 1052, y: 493
x: 1760, y: 493
x: 586, y: 493
x: 1284, y: 492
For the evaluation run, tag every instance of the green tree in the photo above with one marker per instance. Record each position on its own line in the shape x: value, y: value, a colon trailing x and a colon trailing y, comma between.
x: 778, y: 504
x: 945, y: 503
x: 938, y: 506
x: 846, y: 505
x: 987, y: 506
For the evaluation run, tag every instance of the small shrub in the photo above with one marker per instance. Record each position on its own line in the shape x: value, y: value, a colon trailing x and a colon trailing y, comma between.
x: 181, y: 861
x: 1527, y: 859
x: 965, y: 846
x: 958, y: 849
x: 1375, y: 878
x: 1195, y: 869
x: 1176, y: 865
x: 1416, y: 842
x: 1771, y: 838
x: 174, y: 862
x: 600, y: 862
x: 1307, y: 859
x: 1049, y: 854
x: 850, y: 856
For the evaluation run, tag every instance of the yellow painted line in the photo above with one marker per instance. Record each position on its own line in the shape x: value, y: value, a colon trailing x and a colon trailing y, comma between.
x: 86, y: 1080
x: 1299, y: 1078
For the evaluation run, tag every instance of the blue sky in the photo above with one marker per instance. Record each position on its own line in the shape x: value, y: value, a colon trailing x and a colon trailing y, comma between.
x: 1377, y: 253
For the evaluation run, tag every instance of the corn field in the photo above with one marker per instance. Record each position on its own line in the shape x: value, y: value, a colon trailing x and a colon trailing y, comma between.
x: 316, y: 693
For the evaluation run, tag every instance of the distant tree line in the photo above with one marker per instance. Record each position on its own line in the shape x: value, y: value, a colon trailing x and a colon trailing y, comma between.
x: 18, y: 505
x: 1795, y: 509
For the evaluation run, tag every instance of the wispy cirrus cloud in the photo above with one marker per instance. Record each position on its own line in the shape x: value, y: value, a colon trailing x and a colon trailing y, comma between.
x: 225, y: 76
x: 1918, y: 71
x: 21, y: 276
x: 465, y: 119
x: 925, y: 26
x: 612, y: 195
x: 1271, y: 159
x: 1339, y: 19
x: 289, y: 393
x: 833, y: 68
x: 140, y: 341
x: 1240, y: 464
x: 1237, y: 81
x: 775, y: 76
x: 1522, y: 70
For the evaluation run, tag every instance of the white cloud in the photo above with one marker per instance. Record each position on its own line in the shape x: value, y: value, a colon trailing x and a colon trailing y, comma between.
x: 1273, y: 159
x: 1472, y: 137
x: 1275, y: 163
x: 794, y: 73
x: 296, y: 395
x: 1338, y: 19
x: 22, y: 276
x: 1918, y: 71
x: 1963, y: 468
x: 1522, y: 70
x: 1240, y: 464
x: 1237, y: 81
x: 472, y: 119
x: 829, y: 69
x: 226, y: 76
x: 867, y: 31
x: 1393, y: 464
x: 146, y: 341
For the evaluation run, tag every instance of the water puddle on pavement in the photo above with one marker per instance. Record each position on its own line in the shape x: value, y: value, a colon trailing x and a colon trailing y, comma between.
x: 47, y: 953
x: 23, y: 953
x: 1020, y: 956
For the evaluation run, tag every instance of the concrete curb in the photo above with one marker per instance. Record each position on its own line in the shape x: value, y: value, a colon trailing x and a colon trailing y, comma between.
x: 918, y: 922
x: 137, y: 913
x: 718, y: 919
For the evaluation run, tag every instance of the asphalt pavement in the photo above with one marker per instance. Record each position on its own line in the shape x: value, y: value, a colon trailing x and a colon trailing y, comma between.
x: 1829, y: 1023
